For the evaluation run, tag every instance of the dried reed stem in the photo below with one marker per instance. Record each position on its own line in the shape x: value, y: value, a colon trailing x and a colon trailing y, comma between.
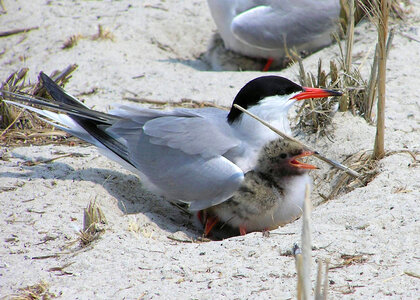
x: 373, y: 81
x: 297, y: 252
x: 16, y: 31
x: 12, y: 123
x: 322, y: 283
x: 344, y: 100
x: 306, y: 244
x: 382, y: 14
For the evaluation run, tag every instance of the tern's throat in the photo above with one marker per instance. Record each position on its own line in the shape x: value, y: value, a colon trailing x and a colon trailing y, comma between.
x: 272, y: 109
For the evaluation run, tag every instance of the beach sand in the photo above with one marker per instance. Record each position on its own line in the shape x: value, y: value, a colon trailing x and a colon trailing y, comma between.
x: 146, y: 250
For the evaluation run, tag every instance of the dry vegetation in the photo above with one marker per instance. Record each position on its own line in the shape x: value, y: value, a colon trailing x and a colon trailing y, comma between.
x: 19, y: 127
x: 94, y: 222
x: 314, y: 117
x: 102, y: 34
x: 359, y: 94
x: 33, y: 292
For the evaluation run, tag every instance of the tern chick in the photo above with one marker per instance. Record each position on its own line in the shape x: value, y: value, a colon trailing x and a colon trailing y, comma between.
x: 271, y: 195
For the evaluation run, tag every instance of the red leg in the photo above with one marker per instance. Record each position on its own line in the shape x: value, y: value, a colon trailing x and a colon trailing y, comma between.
x: 210, y: 222
x: 242, y: 230
x: 268, y: 64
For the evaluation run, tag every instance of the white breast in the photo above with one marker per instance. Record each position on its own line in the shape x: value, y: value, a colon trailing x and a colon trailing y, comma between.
x: 288, y: 208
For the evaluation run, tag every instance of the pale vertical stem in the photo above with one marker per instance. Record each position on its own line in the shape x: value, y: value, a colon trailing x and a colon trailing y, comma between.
x: 306, y: 244
x: 349, y: 36
x: 372, y: 87
x: 379, y: 147
x: 344, y: 101
x: 318, y: 293
x: 326, y: 281
x: 299, y: 270
x: 373, y: 81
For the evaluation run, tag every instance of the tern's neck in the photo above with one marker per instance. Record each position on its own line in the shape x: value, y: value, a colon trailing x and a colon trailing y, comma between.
x: 255, y: 135
x: 274, y: 111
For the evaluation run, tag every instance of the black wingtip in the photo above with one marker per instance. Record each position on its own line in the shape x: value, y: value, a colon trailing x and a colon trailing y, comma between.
x: 46, y: 79
x: 58, y: 93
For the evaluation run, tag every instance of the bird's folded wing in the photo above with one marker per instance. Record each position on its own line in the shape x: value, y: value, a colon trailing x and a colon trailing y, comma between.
x: 260, y: 27
x: 194, y: 179
x: 270, y: 27
x: 208, y: 135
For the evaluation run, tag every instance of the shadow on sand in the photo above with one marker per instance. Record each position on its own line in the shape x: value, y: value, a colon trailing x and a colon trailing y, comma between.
x: 128, y: 190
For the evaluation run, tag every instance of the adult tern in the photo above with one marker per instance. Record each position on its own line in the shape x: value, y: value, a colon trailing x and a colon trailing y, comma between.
x: 196, y: 156
x: 268, y: 28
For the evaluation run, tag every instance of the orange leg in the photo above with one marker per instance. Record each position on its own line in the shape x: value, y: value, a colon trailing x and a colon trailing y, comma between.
x: 210, y: 222
x: 242, y: 230
x: 268, y: 64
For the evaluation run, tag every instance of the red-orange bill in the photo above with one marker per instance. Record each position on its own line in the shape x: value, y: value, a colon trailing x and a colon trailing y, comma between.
x: 294, y: 162
x: 309, y: 92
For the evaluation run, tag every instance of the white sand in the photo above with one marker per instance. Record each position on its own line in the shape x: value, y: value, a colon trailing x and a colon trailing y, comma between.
x: 42, y: 206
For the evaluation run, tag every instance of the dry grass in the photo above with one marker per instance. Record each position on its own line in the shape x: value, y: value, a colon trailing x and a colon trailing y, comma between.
x: 398, y: 9
x: 19, y: 127
x: 33, y: 292
x: 72, y: 41
x: 379, y: 15
x: 101, y: 34
x: 358, y: 93
x: 14, y: 83
x: 94, y: 222
x: 363, y: 163
x: 315, y: 117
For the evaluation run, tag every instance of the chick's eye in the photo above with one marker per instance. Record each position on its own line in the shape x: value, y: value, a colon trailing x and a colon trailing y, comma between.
x: 283, y: 155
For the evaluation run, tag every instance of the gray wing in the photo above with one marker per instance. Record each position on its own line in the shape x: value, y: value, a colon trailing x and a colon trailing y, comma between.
x: 200, y: 181
x: 293, y: 22
x: 180, y: 153
x: 192, y: 135
x: 200, y: 131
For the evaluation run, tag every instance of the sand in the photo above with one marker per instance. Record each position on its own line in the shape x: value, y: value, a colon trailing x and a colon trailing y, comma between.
x: 157, y: 54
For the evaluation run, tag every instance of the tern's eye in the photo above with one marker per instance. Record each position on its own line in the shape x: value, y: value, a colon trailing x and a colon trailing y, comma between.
x: 283, y: 155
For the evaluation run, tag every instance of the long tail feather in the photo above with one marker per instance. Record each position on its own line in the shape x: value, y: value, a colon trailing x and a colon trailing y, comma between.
x: 74, y: 117
x: 62, y: 107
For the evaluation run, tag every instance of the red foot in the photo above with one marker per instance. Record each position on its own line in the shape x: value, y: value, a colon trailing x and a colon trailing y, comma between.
x: 268, y: 64
x: 210, y: 222
x: 242, y: 230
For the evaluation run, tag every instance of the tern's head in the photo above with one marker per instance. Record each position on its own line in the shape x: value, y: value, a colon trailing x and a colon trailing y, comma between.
x: 280, y: 158
x: 273, y: 91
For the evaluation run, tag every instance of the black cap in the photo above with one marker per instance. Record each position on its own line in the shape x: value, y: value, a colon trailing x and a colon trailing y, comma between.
x: 260, y: 88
